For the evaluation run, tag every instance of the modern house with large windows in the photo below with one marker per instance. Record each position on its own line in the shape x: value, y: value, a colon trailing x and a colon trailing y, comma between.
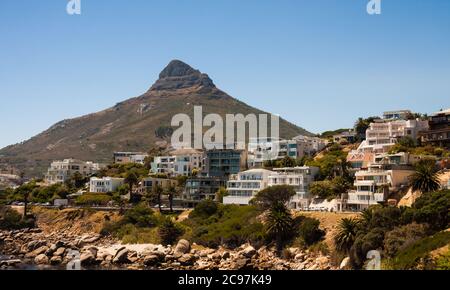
x: 201, y: 188
x: 129, y: 157
x: 179, y: 162
x: 224, y: 162
x: 438, y: 133
x: 299, y: 178
x: 105, y: 184
x: 243, y: 186
x: 60, y: 171
x: 265, y: 149
x: 386, y: 174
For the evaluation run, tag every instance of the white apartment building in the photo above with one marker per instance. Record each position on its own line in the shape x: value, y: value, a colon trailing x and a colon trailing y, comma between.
x: 382, y: 134
x: 387, y: 173
x: 105, y: 184
x: 265, y: 149
x: 129, y: 157
x: 299, y: 178
x: 60, y: 171
x: 179, y: 162
x: 243, y: 186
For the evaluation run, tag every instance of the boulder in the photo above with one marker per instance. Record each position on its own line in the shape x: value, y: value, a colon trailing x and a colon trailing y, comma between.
x: 345, y: 263
x: 299, y: 257
x: 87, y: 258
x: 41, y: 259
x: 93, y: 250
x: 59, y: 252
x: 151, y: 260
x: 56, y: 260
x: 187, y: 259
x: 248, y: 252
x: 226, y: 255
x: 121, y: 256
x: 239, y: 264
x: 33, y: 245
x: 37, y: 252
x: 183, y: 247
x: 322, y: 261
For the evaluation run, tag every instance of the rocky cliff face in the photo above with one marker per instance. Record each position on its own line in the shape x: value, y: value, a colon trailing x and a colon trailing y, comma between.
x: 136, y: 124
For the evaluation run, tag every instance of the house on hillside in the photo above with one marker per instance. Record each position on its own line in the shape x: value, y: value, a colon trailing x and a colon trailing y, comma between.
x: 60, y: 171
x: 243, y: 186
x: 129, y: 157
x: 105, y: 184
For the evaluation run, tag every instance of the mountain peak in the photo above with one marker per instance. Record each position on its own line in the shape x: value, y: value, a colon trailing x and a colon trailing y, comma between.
x: 179, y: 75
x: 177, y: 68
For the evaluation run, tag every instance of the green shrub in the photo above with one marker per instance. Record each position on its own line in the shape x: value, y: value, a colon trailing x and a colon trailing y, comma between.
x: 140, y: 216
x: 310, y: 232
x: 409, y: 257
x: 365, y: 242
x: 443, y: 262
x: 402, y: 237
x: 169, y: 232
x: 12, y: 220
x: 433, y: 209
x: 204, y: 209
x: 91, y: 199
x: 231, y: 225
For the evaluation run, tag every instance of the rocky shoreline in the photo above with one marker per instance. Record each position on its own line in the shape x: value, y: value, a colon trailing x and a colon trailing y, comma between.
x: 58, y: 249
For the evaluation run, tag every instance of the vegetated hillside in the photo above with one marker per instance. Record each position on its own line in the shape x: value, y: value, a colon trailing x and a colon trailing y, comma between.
x: 133, y: 125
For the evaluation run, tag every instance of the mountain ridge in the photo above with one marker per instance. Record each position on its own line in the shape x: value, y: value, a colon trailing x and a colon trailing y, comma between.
x: 136, y: 124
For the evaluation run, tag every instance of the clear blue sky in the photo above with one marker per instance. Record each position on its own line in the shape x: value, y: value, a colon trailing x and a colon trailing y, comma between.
x: 319, y: 63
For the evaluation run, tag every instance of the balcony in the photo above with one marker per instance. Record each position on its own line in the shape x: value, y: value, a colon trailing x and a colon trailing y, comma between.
x: 365, y: 197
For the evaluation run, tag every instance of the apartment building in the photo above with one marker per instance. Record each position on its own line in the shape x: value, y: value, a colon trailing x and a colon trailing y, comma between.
x: 384, y: 175
x: 395, y: 115
x: 148, y: 184
x: 129, y: 157
x: 346, y: 136
x: 438, y: 133
x: 60, y: 171
x: 179, y: 162
x: 299, y: 178
x: 264, y: 149
x: 382, y: 135
x: 105, y: 184
x: 224, y: 162
x: 243, y: 186
x: 201, y: 188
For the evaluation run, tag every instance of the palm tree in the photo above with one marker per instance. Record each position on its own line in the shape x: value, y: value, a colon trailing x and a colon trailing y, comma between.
x: 131, y: 179
x: 157, y: 192
x: 279, y: 224
x: 170, y: 193
x: 346, y: 234
x: 425, y: 177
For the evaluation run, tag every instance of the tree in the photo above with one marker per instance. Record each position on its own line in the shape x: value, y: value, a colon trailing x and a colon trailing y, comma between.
x: 171, y: 190
x: 157, y: 192
x: 131, y: 179
x: 361, y: 126
x: 310, y: 232
x: 220, y: 194
x: 279, y: 224
x: 346, y: 234
x: 287, y: 162
x: 169, y: 232
x: 322, y: 189
x: 425, y: 177
x: 271, y: 196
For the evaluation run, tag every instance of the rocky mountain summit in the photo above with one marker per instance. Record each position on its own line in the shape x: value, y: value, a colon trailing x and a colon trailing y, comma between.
x: 137, y: 124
